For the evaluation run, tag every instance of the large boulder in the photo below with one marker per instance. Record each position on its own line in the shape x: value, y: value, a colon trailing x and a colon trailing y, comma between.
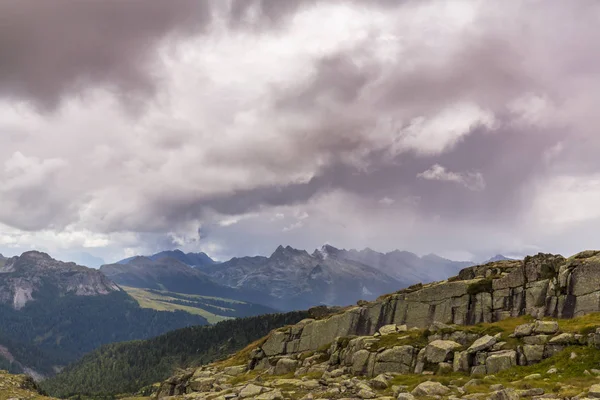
x: 360, y: 362
x: 275, y: 343
x: 440, y: 350
x: 546, y: 327
x: 500, y: 361
x: 534, y: 353
x: 430, y: 389
x: 201, y: 384
x: 524, y: 330
x: 251, y: 390
x: 285, y: 366
x: 461, y: 361
x: 398, y: 359
x: 504, y: 394
x: 483, y: 343
x: 564, y: 339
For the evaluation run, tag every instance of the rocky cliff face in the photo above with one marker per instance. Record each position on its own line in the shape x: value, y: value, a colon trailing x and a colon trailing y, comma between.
x: 541, y: 285
x: 23, y: 277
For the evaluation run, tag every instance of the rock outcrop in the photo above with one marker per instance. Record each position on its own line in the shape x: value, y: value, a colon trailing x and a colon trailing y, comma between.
x: 539, y: 286
x: 365, y: 367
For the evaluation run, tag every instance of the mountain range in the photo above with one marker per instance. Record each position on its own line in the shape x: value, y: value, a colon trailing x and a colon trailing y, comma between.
x: 45, y: 304
x: 288, y: 279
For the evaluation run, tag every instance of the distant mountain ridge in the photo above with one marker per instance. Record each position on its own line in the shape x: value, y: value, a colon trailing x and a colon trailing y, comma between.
x: 299, y: 279
x: 290, y: 278
x: 404, y: 266
x: 191, y: 259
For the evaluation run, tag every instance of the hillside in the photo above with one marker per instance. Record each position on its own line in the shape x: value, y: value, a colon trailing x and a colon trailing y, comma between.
x: 53, y: 312
x: 129, y: 366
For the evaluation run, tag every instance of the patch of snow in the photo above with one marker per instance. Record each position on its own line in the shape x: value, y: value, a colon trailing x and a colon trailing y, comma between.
x: 22, y: 296
x: 366, y: 291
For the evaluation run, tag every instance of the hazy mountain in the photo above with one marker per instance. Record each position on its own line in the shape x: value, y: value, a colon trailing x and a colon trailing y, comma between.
x: 53, y: 312
x: 299, y: 279
x: 191, y: 259
x: 170, y: 274
x: 498, y: 257
x: 405, y: 266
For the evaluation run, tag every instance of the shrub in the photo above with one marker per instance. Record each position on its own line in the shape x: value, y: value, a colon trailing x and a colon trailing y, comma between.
x: 482, y: 286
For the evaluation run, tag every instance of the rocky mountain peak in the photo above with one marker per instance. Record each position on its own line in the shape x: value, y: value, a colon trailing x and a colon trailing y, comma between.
x: 287, y: 252
x: 25, y: 275
x: 327, y: 251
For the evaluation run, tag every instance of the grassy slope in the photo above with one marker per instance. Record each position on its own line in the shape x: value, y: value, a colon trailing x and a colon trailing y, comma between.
x: 18, y: 387
x: 164, y: 302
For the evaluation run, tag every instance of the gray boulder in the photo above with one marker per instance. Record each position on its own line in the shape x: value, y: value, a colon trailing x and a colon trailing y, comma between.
x: 430, y: 389
x: 534, y: 353
x: 546, y: 327
x: 483, y: 343
x: 439, y: 350
x: 524, y: 330
x: 360, y: 362
x: 405, y: 396
x: 504, y: 394
x: 563, y: 338
x: 285, y: 366
x: 500, y: 361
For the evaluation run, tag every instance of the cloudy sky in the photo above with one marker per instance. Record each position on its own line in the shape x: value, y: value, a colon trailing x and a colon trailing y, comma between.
x: 464, y: 128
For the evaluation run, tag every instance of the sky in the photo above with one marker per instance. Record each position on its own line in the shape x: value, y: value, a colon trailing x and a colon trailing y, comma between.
x: 463, y: 128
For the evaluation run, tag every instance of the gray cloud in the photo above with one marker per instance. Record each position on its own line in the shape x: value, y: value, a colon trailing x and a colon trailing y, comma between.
x: 274, y: 121
x: 51, y: 49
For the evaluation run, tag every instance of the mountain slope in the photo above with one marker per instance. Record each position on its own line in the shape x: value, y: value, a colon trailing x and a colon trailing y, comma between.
x: 127, y: 367
x: 170, y: 274
x: 301, y: 280
x: 54, y: 312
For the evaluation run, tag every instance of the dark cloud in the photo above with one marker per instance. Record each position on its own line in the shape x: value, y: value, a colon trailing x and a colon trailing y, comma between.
x: 50, y: 49
x: 275, y: 109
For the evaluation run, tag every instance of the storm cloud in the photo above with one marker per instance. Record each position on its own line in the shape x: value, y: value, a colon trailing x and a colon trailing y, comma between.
x: 464, y: 128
